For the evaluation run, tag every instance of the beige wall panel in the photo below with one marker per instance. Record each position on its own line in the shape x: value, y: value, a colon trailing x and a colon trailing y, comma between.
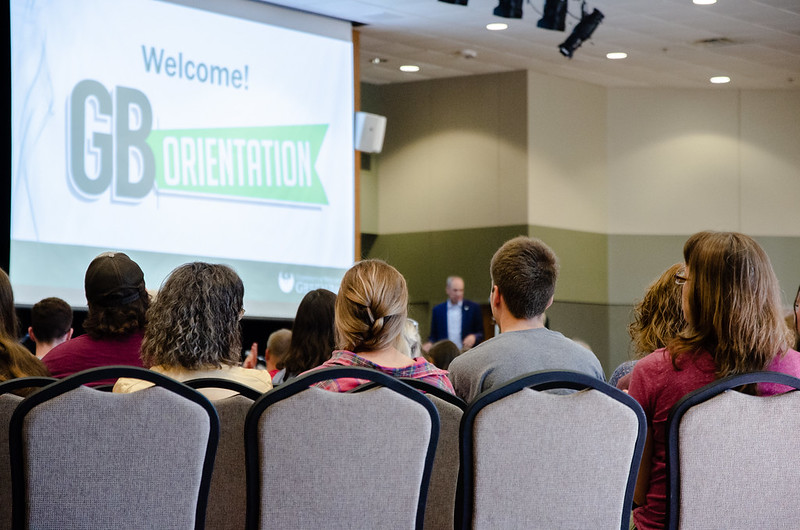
x: 673, y: 161
x: 454, y: 155
x: 770, y: 154
x: 567, y: 176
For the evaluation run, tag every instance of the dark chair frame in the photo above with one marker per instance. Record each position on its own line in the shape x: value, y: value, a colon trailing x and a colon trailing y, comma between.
x: 227, y: 384
x: 19, y: 509
x: 680, y: 408
x: 25, y: 382
x: 424, y: 386
x: 303, y: 382
x: 544, y: 380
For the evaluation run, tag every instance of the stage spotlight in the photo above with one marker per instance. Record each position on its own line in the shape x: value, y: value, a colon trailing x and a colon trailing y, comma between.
x: 582, y: 31
x: 555, y: 13
x: 509, y: 9
x: 457, y: 2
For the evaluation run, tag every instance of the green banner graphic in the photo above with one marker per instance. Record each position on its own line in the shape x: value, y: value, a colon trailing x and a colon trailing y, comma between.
x: 252, y: 163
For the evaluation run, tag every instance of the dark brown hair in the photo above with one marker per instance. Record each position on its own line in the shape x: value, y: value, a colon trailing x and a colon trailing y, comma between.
x: 312, y: 333
x: 525, y: 270
x: 51, y: 319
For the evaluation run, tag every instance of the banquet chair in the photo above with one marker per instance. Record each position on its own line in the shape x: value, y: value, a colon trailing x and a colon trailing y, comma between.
x: 226, y: 499
x: 536, y: 459
x: 317, y: 458
x: 731, y: 457
x: 83, y: 458
x: 8, y: 402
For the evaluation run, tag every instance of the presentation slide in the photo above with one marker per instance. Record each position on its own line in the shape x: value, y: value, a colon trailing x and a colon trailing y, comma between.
x: 176, y: 134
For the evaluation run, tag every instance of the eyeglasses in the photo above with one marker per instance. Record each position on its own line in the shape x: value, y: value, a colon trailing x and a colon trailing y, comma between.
x: 679, y: 279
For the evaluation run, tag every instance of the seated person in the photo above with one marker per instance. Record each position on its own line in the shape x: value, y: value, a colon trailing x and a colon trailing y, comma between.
x: 371, y: 312
x: 51, y: 324
x: 443, y: 352
x: 312, y: 339
x: 193, y: 330
x: 658, y: 318
x: 732, y: 305
x: 409, y: 341
x: 524, y: 272
x: 118, y: 302
x: 277, y: 347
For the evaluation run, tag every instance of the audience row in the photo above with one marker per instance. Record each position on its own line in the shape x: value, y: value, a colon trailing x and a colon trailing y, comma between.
x: 715, y: 314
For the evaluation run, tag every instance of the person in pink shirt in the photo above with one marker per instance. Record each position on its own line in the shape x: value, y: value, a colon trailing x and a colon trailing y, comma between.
x: 732, y: 304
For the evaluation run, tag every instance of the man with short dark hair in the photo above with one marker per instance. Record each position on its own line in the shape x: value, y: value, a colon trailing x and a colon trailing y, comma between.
x: 524, y: 272
x: 51, y: 324
x: 118, y: 301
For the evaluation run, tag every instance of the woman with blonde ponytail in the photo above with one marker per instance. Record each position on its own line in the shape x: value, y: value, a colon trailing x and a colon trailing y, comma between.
x: 371, y: 311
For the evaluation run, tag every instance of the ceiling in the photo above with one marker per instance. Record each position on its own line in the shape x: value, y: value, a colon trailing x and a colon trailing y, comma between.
x: 670, y: 43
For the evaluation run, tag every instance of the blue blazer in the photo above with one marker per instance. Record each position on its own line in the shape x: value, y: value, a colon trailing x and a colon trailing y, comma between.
x: 471, y: 321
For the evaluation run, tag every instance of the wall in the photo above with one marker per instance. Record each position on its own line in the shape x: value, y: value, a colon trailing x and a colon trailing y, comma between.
x: 614, y: 180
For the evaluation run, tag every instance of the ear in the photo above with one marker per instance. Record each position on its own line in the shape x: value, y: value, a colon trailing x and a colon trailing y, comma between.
x: 69, y: 333
x: 549, y: 303
x: 266, y: 354
x: 496, y: 296
x: 30, y: 333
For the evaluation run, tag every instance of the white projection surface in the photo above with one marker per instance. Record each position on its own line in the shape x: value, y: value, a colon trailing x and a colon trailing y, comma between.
x: 177, y: 134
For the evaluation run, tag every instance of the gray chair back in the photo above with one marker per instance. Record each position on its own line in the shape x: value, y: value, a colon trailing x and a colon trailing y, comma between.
x: 441, y: 505
x: 9, y: 402
x: 534, y: 459
x: 227, y: 500
x: 83, y: 458
x: 321, y: 459
x: 732, y: 457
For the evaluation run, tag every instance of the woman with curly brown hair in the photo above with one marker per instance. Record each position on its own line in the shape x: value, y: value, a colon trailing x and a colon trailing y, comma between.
x: 732, y: 305
x: 657, y: 319
x: 193, y: 330
x: 371, y: 311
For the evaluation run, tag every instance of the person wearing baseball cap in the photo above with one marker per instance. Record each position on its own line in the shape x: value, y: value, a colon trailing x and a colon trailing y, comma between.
x: 118, y: 302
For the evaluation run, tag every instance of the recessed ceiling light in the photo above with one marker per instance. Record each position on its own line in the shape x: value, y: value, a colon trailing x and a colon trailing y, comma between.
x: 496, y: 26
x: 616, y: 55
x: 409, y: 68
x: 704, y: 2
x: 377, y: 60
x: 720, y: 79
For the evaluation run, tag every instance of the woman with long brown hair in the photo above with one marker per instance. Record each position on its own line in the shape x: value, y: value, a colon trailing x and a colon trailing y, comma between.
x: 731, y: 301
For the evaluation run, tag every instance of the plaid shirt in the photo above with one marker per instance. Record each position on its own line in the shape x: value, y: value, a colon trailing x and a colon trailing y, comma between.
x: 421, y: 369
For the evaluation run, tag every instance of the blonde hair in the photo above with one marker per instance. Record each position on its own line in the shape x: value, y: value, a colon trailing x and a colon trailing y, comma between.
x: 658, y: 318
x: 371, y: 307
x: 733, y: 304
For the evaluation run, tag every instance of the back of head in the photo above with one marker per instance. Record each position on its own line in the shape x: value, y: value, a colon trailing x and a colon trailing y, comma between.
x: 312, y: 338
x: 9, y: 323
x: 371, y: 307
x: 525, y: 271
x: 116, y: 296
x: 658, y: 318
x: 194, y: 321
x: 51, y: 319
x: 731, y: 302
x: 278, y: 343
x: 443, y: 352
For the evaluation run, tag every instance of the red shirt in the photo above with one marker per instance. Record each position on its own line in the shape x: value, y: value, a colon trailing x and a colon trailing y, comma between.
x: 85, y: 352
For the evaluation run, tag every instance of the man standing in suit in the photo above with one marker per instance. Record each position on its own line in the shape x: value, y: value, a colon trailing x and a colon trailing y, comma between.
x: 457, y: 320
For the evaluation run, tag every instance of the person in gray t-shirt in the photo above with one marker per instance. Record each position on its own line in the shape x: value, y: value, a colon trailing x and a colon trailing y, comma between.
x: 524, y: 272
